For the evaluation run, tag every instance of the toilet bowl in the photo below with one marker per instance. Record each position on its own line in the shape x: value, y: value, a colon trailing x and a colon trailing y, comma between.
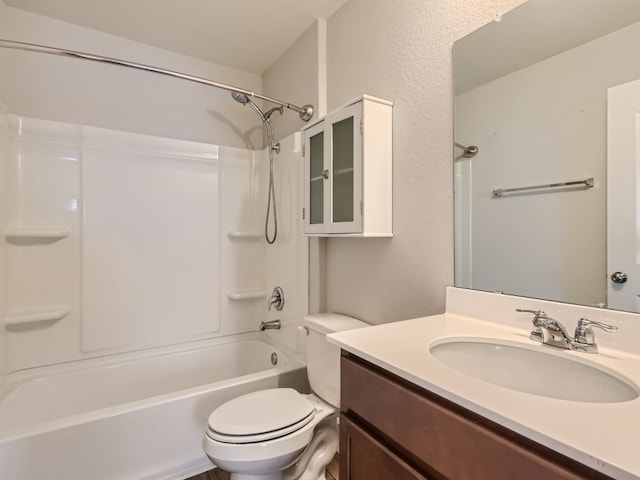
x: 278, y: 433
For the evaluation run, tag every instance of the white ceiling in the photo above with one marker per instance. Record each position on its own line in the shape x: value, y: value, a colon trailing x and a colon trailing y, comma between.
x: 246, y: 34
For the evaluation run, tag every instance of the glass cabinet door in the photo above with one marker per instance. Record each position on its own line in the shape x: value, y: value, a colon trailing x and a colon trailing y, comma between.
x: 342, y: 170
x: 316, y: 175
x: 346, y: 170
x: 316, y: 182
x: 333, y: 173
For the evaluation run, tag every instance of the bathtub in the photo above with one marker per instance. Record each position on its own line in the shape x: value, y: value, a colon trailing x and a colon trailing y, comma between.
x: 136, y: 416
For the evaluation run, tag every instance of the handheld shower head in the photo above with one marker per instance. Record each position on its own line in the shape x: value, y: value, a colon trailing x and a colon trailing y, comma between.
x: 244, y: 100
x: 240, y: 97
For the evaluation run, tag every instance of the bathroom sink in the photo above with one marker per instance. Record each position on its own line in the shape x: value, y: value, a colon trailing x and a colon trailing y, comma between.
x: 530, y: 370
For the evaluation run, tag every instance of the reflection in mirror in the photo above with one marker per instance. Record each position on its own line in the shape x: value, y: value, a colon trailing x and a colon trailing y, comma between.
x: 532, y: 94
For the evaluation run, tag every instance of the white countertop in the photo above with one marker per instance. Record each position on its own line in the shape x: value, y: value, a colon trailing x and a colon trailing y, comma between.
x: 603, y: 436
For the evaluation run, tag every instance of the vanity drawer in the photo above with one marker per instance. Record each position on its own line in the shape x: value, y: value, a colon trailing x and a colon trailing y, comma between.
x: 381, y: 463
x: 439, y: 437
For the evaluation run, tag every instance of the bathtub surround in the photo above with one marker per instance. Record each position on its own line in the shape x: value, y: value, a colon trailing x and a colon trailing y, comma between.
x: 139, y: 214
x: 95, y: 214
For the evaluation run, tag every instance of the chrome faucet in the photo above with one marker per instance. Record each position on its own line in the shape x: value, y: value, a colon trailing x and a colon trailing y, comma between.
x: 548, y: 330
x: 270, y: 325
x: 276, y: 300
x: 551, y: 332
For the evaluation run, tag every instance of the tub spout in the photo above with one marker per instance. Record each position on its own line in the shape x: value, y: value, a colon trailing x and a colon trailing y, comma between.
x: 270, y: 325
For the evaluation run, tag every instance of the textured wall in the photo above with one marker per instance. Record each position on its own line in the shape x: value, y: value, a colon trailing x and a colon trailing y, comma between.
x: 401, y: 51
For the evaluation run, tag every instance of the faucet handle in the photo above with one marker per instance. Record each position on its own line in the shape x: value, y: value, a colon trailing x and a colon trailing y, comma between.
x: 584, y: 338
x: 584, y: 332
x: 537, y: 314
x: 539, y: 320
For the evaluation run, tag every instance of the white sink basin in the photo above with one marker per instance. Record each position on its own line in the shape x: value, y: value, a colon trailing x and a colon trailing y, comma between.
x: 530, y: 370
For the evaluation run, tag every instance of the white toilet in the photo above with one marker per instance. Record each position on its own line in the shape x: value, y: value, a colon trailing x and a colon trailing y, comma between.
x: 280, y: 434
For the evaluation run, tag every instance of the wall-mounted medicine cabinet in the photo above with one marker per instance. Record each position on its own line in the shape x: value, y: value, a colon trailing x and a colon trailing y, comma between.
x: 348, y: 171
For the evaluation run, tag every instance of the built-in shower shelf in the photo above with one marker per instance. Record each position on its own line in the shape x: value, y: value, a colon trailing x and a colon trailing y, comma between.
x: 37, y: 232
x: 244, y: 234
x: 246, y: 294
x: 38, y: 315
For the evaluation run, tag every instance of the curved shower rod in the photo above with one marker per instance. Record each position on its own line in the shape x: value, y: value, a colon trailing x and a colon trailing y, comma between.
x: 306, y: 111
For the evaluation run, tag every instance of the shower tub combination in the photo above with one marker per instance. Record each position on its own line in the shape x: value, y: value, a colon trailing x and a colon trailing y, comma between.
x: 133, y: 416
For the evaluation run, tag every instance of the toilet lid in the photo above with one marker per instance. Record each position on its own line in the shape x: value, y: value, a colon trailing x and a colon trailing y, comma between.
x: 260, y: 416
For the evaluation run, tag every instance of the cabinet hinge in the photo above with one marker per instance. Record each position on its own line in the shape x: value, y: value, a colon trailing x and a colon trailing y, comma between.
x: 303, y: 212
x: 362, y: 127
x: 362, y: 207
x: 303, y: 149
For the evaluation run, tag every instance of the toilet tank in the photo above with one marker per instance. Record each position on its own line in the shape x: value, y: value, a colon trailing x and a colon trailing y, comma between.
x: 323, y: 358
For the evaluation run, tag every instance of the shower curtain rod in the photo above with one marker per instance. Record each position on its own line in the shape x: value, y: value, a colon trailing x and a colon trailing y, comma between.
x: 306, y: 111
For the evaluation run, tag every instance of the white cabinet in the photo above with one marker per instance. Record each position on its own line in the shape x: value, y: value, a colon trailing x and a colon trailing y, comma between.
x: 348, y: 171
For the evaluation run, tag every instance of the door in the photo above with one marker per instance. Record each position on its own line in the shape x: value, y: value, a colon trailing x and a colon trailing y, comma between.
x: 623, y: 224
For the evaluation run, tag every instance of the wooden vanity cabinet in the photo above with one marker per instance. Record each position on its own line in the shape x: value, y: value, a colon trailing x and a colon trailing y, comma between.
x: 393, y: 430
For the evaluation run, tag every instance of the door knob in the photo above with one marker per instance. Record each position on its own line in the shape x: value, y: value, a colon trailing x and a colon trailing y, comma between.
x: 619, y: 277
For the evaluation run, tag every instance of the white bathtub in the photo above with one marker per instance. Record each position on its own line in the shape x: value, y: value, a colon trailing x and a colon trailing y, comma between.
x: 133, y: 417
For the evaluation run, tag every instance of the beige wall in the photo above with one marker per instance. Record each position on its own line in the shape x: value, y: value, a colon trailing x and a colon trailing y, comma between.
x: 294, y: 78
x: 401, y: 51
x: 69, y: 90
x: 3, y: 215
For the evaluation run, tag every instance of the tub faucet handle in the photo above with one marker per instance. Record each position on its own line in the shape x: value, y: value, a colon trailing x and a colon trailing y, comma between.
x: 276, y: 300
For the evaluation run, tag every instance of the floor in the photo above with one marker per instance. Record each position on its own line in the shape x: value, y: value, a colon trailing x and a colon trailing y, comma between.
x: 217, y: 474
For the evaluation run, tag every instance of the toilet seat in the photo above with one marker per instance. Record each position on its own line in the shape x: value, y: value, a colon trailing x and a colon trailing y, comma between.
x: 260, y: 416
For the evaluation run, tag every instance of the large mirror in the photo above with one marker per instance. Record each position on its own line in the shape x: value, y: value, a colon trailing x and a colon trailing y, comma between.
x: 550, y: 94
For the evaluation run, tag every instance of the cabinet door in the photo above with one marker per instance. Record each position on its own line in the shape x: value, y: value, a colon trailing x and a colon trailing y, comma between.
x: 363, y: 457
x: 316, y: 174
x: 345, y: 170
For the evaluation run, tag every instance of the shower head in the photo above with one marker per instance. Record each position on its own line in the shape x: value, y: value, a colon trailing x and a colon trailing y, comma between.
x: 268, y: 114
x: 240, y: 97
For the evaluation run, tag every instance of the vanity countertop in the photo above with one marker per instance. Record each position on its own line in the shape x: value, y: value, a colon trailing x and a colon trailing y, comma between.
x: 603, y: 436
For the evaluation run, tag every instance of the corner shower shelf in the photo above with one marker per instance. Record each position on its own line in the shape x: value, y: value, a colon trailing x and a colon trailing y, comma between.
x: 243, y: 234
x: 36, y: 315
x: 246, y: 294
x: 37, y: 232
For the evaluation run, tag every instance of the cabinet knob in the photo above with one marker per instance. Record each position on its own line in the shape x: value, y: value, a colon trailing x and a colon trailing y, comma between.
x: 325, y: 174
